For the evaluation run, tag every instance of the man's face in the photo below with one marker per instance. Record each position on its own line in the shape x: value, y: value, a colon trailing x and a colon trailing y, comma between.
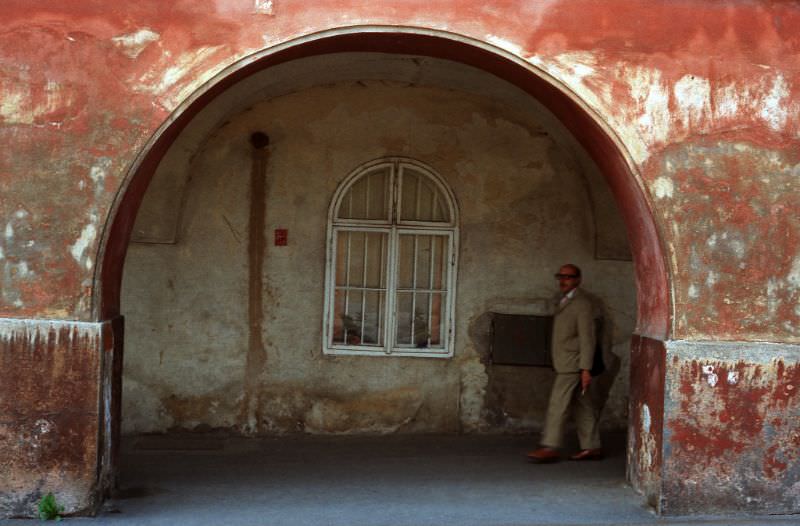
x: 568, y: 279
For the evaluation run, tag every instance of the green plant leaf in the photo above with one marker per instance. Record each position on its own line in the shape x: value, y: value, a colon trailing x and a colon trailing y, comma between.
x: 49, y: 509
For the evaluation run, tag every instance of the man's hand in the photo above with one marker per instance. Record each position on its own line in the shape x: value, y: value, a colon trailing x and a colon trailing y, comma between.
x: 586, y: 379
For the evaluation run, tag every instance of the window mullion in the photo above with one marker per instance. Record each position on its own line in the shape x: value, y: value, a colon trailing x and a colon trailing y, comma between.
x: 392, y: 258
x: 397, y: 198
x: 347, y: 278
x: 417, y: 197
x: 366, y: 196
x: 448, y: 283
x: 414, y: 256
x: 365, y: 271
x: 432, y: 246
x: 382, y: 283
x: 391, y: 293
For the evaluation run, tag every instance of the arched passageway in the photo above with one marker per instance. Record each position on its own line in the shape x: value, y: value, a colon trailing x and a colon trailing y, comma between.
x: 405, y: 48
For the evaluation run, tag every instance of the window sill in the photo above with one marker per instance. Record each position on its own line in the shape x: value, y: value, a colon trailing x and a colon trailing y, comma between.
x: 397, y: 352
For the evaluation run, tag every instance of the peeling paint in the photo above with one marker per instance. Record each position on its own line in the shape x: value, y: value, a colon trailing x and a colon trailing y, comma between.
x: 649, y: 91
x: 51, y: 422
x: 726, y: 102
x: 160, y: 81
x: 743, y: 430
x: 711, y: 376
x: 21, y: 104
x: 693, y: 95
x: 474, y: 380
x: 134, y: 43
x: 729, y: 138
x: 82, y: 244
x: 731, y: 209
x: 663, y: 188
x: 773, y: 110
x: 505, y: 44
x: 35, y: 332
x: 793, y: 278
x: 99, y: 171
x: 10, y: 106
x: 264, y: 7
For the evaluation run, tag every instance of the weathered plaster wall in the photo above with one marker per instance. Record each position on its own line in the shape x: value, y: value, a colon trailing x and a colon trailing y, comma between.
x: 703, y: 97
x: 646, y: 420
x: 98, y: 83
x: 525, y: 208
x: 732, y: 423
x: 50, y: 407
x: 742, y: 277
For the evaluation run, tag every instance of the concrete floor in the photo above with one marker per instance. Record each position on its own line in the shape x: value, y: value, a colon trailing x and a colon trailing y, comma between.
x: 371, y: 481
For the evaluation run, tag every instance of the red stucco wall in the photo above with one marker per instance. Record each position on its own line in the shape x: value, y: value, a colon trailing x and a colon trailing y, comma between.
x: 84, y: 87
x: 694, y: 106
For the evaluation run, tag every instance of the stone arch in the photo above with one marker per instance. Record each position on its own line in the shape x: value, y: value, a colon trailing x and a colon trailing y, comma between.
x: 654, y: 308
x: 599, y: 140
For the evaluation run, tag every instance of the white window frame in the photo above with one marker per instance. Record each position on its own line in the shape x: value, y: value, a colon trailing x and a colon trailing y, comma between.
x: 395, y: 227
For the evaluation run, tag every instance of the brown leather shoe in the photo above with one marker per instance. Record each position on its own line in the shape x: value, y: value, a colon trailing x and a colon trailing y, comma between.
x: 588, y: 454
x: 544, y: 455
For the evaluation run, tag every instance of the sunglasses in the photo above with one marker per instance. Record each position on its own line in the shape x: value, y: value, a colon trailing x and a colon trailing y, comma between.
x: 566, y: 276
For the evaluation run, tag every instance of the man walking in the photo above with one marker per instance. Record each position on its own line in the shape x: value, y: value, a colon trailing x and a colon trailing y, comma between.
x: 573, y: 347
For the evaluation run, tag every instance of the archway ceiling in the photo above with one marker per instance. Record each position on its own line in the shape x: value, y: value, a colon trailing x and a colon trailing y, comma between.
x: 164, y: 196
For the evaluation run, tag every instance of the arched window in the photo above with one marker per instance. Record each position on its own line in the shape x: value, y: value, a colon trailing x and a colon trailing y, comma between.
x: 391, y: 267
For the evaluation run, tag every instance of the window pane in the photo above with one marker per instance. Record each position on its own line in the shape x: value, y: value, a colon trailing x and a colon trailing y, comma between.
x: 422, y: 262
x: 435, y: 320
x: 342, y: 241
x: 421, y: 199
x: 368, y: 198
x: 421, y: 320
x: 359, y: 317
x: 373, y: 318
x: 348, y: 315
x: 361, y: 259
x: 339, y: 317
x: 405, y: 261
x: 439, y: 254
x: 360, y: 294
x: 425, y: 250
x: 356, y: 258
x: 405, y: 319
x: 376, y: 244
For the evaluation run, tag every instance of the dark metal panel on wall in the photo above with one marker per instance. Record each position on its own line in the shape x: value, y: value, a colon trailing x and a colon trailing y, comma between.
x: 521, y: 339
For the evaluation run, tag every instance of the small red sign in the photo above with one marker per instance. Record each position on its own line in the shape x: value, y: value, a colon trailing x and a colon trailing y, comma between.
x: 281, y: 237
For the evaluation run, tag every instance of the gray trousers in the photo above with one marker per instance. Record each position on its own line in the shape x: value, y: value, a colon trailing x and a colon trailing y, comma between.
x: 566, y: 393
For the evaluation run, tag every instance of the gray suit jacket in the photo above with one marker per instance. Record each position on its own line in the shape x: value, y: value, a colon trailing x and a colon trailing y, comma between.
x: 573, y: 335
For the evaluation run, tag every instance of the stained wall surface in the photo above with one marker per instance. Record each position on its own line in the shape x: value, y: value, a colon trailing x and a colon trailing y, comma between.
x: 527, y: 204
x: 696, y: 102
